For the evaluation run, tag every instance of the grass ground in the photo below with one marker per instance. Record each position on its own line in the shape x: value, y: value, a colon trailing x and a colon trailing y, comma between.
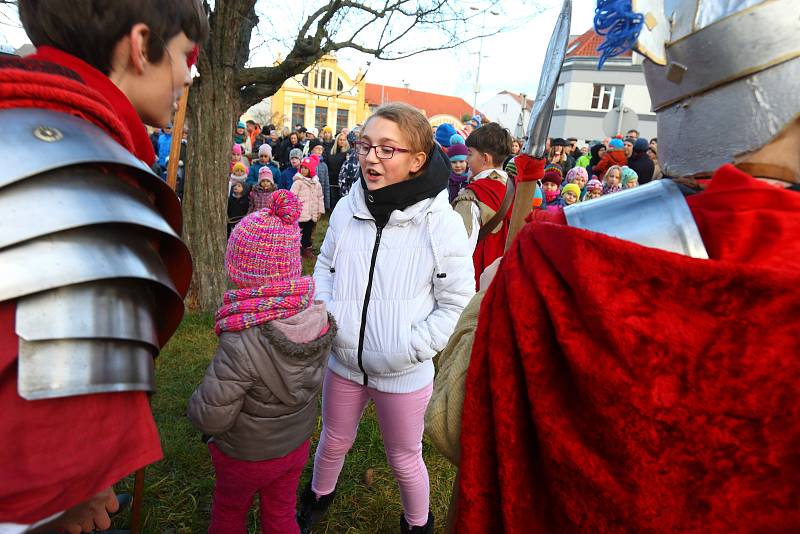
x: 178, y: 489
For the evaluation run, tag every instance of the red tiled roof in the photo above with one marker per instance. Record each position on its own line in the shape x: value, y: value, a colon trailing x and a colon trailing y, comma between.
x: 429, y: 103
x: 585, y: 45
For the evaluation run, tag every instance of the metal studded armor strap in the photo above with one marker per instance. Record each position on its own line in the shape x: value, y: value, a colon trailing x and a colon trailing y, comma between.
x: 95, y: 263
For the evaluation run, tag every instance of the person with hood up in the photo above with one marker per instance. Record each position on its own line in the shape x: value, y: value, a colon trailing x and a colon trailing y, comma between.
x: 640, y: 162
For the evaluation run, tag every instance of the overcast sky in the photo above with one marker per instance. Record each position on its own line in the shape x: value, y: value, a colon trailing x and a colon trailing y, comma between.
x: 511, y: 60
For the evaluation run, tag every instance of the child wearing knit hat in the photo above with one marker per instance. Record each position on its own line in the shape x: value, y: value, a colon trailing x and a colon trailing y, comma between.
x: 551, y: 186
x: 264, y: 160
x: 238, y: 175
x: 237, y: 156
x: 287, y: 176
x: 457, y: 153
x: 629, y: 178
x: 261, y: 193
x: 274, y: 342
x: 308, y: 189
x: 594, y: 189
x: 570, y: 194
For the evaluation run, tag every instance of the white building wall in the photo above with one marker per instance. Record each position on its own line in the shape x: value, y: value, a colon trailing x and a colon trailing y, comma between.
x: 575, y: 116
x: 508, y: 118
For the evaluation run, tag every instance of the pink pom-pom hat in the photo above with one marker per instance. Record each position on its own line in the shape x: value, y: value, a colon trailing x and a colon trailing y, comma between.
x: 265, y: 246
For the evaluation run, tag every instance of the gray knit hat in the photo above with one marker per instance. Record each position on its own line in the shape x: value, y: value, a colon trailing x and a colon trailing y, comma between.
x: 296, y: 153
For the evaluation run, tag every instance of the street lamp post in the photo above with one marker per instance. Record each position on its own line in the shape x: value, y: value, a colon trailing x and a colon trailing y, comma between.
x: 477, y: 87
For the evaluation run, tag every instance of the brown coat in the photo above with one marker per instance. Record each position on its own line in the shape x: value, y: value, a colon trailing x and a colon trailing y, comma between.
x: 258, y: 399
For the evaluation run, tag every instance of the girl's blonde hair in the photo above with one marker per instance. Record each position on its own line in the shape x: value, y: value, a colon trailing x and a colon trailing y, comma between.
x: 345, y: 149
x: 613, y: 167
x: 411, y: 122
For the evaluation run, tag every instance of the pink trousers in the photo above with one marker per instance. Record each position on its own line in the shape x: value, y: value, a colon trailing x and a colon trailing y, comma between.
x: 401, y: 417
x: 274, y: 480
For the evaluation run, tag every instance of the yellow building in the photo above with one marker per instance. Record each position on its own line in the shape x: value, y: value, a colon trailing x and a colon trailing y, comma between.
x: 324, y: 95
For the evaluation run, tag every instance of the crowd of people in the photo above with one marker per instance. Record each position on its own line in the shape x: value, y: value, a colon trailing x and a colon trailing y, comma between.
x: 321, y: 167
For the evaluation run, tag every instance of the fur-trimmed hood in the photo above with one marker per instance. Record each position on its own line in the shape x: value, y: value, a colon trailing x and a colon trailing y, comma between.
x: 258, y: 399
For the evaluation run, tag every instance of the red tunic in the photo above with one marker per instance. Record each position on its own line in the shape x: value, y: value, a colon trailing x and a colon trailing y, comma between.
x: 491, y: 193
x: 618, y: 388
x: 56, y: 453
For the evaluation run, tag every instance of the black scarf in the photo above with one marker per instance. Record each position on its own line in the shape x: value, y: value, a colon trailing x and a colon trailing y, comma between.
x: 433, y: 180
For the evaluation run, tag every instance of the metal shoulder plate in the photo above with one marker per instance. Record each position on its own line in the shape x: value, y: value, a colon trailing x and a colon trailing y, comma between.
x: 653, y: 215
x: 89, y: 248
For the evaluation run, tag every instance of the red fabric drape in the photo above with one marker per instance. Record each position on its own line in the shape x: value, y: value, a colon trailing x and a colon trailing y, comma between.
x: 618, y: 388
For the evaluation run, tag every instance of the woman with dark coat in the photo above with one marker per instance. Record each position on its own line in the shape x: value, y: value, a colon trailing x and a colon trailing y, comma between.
x: 640, y: 162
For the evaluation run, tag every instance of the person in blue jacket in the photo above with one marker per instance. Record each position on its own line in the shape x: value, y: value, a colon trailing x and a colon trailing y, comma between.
x: 164, y: 145
x: 264, y: 160
x: 287, y: 176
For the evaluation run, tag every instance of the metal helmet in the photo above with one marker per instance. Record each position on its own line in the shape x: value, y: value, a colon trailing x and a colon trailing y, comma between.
x: 721, y: 74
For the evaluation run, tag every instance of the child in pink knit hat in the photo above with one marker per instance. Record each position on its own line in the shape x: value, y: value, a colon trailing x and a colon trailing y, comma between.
x: 309, y: 190
x: 274, y: 342
x: 261, y: 194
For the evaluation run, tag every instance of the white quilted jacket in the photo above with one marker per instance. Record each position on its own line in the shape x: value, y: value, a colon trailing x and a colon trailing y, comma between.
x: 422, y: 280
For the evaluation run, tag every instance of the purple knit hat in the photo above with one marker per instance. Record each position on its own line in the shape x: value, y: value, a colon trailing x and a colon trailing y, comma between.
x: 265, y: 246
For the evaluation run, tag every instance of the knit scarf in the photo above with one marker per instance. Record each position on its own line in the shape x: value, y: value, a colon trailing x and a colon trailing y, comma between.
x: 251, y: 306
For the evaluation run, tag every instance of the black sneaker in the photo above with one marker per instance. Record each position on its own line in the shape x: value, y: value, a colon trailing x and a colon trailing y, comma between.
x: 312, y: 509
x: 427, y: 528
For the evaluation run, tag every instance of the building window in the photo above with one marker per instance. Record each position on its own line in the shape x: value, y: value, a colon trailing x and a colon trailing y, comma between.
x: 605, y: 97
x: 339, y: 85
x: 560, y: 96
x: 305, y: 79
x: 323, y: 79
x: 320, y: 117
x: 342, y: 118
x: 298, y: 114
x: 505, y: 108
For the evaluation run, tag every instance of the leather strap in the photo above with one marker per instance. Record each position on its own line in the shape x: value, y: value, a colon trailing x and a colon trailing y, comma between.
x: 768, y: 170
x: 498, y: 217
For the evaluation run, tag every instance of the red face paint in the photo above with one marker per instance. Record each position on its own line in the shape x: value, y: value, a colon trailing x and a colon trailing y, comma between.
x: 191, y: 59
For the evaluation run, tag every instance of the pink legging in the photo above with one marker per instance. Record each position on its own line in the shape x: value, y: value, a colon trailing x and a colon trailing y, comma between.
x: 401, y: 417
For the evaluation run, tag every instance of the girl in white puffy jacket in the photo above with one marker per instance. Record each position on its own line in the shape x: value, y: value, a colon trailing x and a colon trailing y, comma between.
x: 396, y: 272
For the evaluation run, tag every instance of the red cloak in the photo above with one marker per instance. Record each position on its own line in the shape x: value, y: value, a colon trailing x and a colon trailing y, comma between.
x: 618, y: 388
x: 491, y: 193
x: 58, y: 452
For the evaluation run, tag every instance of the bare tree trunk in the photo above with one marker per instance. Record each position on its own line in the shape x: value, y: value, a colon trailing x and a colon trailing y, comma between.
x: 212, y: 106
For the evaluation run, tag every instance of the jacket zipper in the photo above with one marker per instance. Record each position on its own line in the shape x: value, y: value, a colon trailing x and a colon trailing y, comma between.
x: 367, y: 296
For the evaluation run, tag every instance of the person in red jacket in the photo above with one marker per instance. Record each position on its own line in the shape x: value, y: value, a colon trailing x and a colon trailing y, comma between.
x: 485, y: 204
x: 78, y: 336
x: 615, y: 155
x: 659, y: 393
